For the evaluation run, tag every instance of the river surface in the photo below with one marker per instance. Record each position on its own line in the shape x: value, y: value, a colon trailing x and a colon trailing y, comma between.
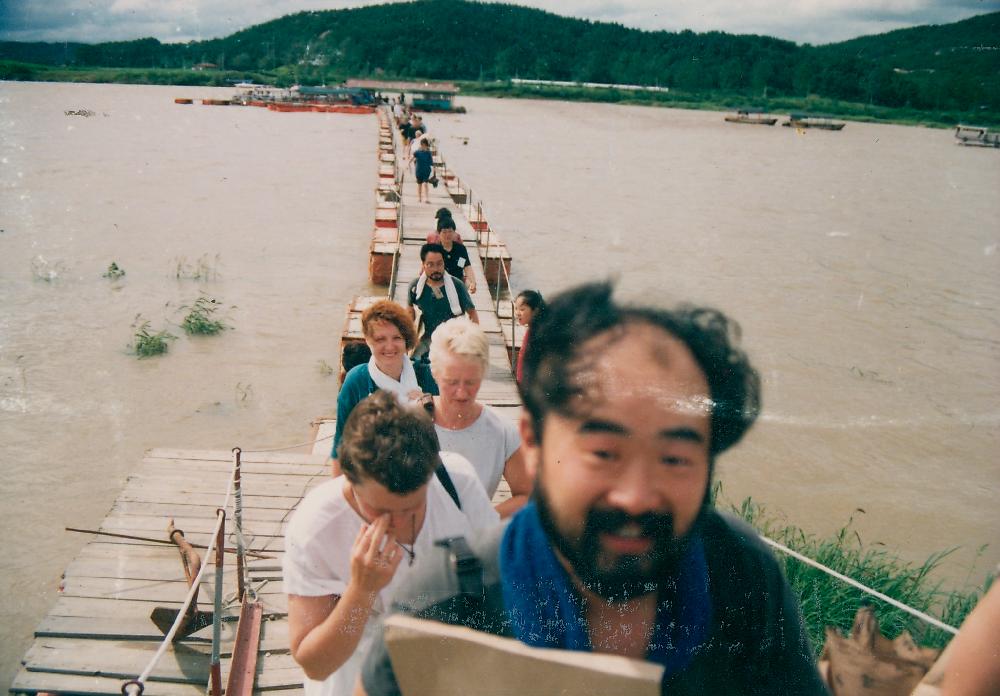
x: 862, y: 265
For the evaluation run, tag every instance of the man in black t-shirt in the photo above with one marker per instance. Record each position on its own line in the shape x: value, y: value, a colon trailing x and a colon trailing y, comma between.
x: 620, y: 550
x: 456, y: 256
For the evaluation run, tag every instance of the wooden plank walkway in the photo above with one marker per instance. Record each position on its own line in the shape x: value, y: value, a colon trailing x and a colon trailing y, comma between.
x: 99, y: 633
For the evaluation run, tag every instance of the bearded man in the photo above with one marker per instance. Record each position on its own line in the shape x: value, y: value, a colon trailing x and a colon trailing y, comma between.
x: 620, y: 550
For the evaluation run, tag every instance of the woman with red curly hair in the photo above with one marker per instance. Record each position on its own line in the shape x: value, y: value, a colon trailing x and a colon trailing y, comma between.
x: 390, y: 334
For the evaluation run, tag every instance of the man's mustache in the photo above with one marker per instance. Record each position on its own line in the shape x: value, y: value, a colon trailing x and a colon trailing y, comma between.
x: 651, y: 524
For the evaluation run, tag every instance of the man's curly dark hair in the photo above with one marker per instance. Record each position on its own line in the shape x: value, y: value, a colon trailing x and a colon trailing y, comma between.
x: 390, y: 444
x: 553, y: 363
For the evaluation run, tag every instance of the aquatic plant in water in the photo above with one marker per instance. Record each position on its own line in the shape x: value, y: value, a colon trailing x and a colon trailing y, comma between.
x: 203, y: 268
x: 45, y: 270
x: 114, y: 271
x: 200, y: 317
x: 243, y: 394
x: 145, y: 343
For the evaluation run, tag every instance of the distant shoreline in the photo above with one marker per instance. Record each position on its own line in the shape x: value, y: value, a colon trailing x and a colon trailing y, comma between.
x: 704, y: 101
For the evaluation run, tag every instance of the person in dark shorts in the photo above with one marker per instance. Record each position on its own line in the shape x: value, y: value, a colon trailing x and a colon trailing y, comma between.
x: 424, y: 168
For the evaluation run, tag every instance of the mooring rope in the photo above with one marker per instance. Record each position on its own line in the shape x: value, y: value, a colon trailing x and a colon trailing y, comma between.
x: 854, y: 583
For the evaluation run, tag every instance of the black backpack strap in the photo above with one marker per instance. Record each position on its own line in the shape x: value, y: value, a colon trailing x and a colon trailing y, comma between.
x: 445, y: 478
x: 466, y: 566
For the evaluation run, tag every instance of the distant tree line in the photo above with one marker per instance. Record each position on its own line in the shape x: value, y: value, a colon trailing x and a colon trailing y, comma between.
x: 948, y: 67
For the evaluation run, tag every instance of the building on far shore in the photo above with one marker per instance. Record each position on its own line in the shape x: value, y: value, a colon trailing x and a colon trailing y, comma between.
x: 422, y: 96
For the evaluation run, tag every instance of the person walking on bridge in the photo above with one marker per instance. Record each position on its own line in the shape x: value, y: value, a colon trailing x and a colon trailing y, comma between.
x: 353, y: 539
x: 424, y: 160
x: 456, y: 256
x: 437, y: 295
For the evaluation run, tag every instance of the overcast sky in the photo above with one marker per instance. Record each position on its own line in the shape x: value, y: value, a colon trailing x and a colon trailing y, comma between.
x: 802, y: 21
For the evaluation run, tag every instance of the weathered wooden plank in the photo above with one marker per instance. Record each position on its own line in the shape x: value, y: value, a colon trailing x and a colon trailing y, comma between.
x: 164, y: 486
x: 190, y: 525
x: 138, y: 494
x: 86, y: 685
x: 154, y: 569
x: 251, y: 513
x: 167, y: 593
x: 185, y: 663
x: 116, y: 615
x: 226, y: 455
x: 221, y: 480
x: 112, y: 609
x: 275, y: 545
x: 274, y: 634
x: 226, y: 468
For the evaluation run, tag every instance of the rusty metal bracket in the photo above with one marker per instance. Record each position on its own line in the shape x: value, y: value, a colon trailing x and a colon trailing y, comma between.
x: 243, y: 668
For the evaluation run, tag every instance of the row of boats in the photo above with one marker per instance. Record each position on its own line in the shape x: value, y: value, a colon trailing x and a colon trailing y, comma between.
x: 760, y: 118
x: 964, y: 135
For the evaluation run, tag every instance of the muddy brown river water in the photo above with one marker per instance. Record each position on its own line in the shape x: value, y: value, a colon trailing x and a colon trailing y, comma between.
x: 863, y: 266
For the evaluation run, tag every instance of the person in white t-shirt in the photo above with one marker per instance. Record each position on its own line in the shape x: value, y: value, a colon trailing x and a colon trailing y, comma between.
x: 459, y: 357
x: 354, y: 539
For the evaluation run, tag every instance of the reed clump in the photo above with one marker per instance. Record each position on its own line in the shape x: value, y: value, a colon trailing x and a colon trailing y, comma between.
x: 828, y: 601
x: 46, y: 270
x: 203, y: 268
x: 114, y: 271
x: 147, y: 343
x: 200, y: 319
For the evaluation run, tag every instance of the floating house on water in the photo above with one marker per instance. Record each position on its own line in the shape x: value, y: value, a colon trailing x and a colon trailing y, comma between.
x: 422, y: 96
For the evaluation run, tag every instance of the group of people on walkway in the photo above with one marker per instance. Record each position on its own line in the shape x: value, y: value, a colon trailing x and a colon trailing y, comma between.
x: 417, y: 152
x: 609, y: 542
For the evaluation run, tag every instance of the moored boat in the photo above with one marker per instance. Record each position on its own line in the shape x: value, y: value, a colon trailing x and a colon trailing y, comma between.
x: 810, y: 121
x: 752, y: 116
x: 976, y: 135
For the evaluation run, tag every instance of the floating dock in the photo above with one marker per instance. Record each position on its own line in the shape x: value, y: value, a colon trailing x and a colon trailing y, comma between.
x: 100, y: 635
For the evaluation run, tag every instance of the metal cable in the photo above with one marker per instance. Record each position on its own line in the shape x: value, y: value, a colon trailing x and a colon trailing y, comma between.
x: 854, y: 583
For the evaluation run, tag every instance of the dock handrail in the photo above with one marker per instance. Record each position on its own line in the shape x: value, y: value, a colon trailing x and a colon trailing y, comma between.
x: 135, y: 687
x: 397, y: 254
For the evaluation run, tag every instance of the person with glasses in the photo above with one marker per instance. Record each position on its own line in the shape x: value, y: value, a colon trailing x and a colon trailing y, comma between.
x: 355, y: 538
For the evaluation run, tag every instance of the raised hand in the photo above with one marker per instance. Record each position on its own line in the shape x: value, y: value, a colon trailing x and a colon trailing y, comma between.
x: 374, y: 556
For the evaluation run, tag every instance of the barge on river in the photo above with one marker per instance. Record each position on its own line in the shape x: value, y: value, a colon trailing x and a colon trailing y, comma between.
x: 976, y: 136
x: 812, y: 121
x: 754, y: 117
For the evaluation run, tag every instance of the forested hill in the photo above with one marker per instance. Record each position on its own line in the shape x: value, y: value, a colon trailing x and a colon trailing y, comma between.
x: 954, y: 66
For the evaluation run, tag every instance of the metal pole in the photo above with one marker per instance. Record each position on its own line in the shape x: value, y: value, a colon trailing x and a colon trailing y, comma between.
x: 238, y: 517
x: 513, y: 322
x: 220, y: 557
x: 499, y: 271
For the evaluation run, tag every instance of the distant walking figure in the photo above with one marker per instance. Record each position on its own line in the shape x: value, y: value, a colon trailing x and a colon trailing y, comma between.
x: 424, y: 167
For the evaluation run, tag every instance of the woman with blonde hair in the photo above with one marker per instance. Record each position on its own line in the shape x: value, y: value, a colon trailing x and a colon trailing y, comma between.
x: 390, y: 334
x: 459, y: 356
